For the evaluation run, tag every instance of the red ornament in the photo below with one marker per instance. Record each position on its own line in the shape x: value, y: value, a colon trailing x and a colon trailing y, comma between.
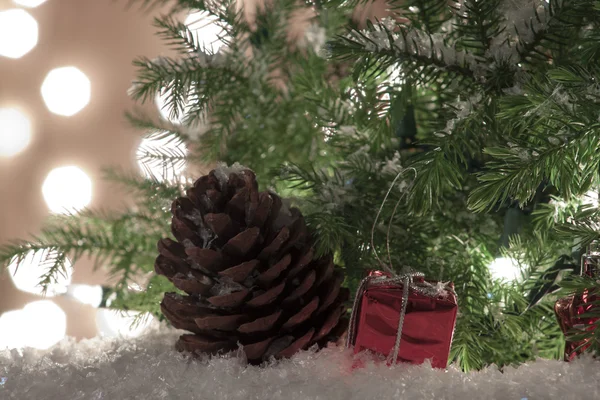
x: 569, y: 309
x: 427, y: 326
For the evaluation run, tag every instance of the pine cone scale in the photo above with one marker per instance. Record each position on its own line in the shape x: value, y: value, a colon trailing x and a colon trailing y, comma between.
x: 267, y: 297
x: 219, y: 322
x: 275, y: 244
x: 303, y: 314
x: 206, y: 259
x: 240, y: 272
x: 297, y: 345
x: 260, y: 324
x: 267, y: 277
x: 255, y: 351
x: 230, y: 300
x: 241, y: 244
x: 303, y: 288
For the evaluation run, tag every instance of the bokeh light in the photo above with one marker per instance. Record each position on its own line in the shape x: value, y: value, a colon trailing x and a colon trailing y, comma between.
x: 165, y: 112
x: 27, y: 274
x: 207, y: 30
x: 29, y: 3
x: 506, y: 269
x: 67, y: 190
x: 15, y: 132
x: 113, y: 323
x: 40, y: 325
x: 591, y: 197
x: 86, y: 294
x: 151, y: 157
x: 66, y: 91
x: 18, y: 33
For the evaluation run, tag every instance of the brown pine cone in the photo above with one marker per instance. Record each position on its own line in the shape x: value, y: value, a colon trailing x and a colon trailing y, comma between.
x: 246, y: 263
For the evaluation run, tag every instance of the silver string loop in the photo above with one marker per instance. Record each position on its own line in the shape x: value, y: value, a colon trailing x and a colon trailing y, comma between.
x: 387, y: 267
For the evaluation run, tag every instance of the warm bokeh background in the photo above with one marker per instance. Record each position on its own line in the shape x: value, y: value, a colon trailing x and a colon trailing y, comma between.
x: 100, y: 38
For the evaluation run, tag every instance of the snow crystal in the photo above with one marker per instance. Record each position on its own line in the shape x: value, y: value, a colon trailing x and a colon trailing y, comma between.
x: 187, y: 243
x: 393, y: 166
x: 210, y: 60
x: 148, y: 367
x: 462, y: 110
x: 554, y: 140
x: 515, y: 90
x: 315, y: 36
x: 222, y: 171
x: 225, y: 287
x: 134, y: 88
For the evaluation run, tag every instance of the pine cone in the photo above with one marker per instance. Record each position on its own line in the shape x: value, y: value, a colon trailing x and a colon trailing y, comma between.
x: 246, y: 263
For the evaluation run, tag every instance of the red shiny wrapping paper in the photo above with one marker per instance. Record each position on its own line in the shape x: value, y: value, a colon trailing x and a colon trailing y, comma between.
x: 568, y: 311
x: 428, y: 324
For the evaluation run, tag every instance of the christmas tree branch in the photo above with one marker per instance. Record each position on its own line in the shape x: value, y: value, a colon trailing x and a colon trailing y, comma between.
x: 428, y: 15
x: 423, y: 57
x: 478, y: 24
x: 551, y: 28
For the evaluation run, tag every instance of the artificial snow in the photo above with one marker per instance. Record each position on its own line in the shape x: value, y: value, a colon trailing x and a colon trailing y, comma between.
x: 147, y: 367
x: 223, y: 171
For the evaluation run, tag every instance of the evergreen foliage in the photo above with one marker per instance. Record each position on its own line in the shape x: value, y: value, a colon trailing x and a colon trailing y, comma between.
x: 489, y: 109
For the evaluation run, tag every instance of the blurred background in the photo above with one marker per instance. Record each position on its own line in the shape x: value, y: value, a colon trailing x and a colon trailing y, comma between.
x: 65, y: 69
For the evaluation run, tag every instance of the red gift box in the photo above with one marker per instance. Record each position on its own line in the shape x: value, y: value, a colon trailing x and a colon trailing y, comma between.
x: 569, y: 312
x: 573, y: 312
x: 428, y: 324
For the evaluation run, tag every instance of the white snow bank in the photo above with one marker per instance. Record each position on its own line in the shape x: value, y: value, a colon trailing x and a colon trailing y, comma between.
x: 149, y: 368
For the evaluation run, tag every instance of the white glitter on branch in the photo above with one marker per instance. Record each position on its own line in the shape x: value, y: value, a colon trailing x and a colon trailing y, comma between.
x: 315, y: 37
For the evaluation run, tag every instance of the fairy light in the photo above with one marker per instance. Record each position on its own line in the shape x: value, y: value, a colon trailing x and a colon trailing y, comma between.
x: 15, y: 132
x: 208, y: 31
x: 118, y: 323
x: 591, y: 197
x: 29, y: 3
x: 18, y: 33
x: 165, y: 112
x: 150, y: 157
x: 40, y: 325
x: 505, y: 269
x: 86, y: 294
x: 67, y: 190
x: 66, y: 91
x: 27, y: 274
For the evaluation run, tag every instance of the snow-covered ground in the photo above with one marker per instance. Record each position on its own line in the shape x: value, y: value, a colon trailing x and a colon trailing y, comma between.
x: 149, y: 368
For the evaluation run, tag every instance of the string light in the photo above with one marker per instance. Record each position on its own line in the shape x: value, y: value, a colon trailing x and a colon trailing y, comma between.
x: 86, y: 294
x: 67, y: 190
x: 161, y: 104
x: 66, y: 91
x: 208, y: 31
x: 40, y: 325
x: 150, y: 157
x: 505, y: 269
x: 15, y: 132
x: 27, y: 274
x: 591, y: 197
x: 114, y: 323
x: 18, y: 33
x: 29, y: 3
